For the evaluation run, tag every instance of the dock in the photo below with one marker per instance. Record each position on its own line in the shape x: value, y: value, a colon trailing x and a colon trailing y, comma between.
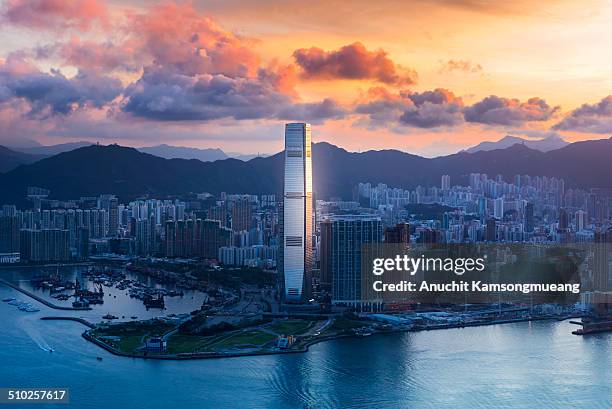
x: 40, y: 299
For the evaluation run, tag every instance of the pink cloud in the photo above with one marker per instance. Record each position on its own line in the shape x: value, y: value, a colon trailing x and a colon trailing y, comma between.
x: 55, y: 14
x: 352, y: 61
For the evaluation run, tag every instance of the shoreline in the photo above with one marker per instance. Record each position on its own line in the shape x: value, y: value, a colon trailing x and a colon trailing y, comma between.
x: 42, y: 300
x: 71, y: 264
x: 302, y: 349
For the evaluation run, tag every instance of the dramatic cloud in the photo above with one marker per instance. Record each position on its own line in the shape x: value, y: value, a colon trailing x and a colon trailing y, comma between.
x: 54, y: 14
x: 494, y: 110
x: 428, y: 109
x: 352, y: 61
x: 591, y: 118
x: 433, y: 108
x: 87, y: 54
x: 53, y: 93
x: 463, y: 66
x: 314, y: 112
x: 177, y: 37
x: 167, y: 96
x: 170, y: 96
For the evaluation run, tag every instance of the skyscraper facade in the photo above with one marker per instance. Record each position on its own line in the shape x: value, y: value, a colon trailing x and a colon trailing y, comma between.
x: 349, y: 235
x: 297, y: 212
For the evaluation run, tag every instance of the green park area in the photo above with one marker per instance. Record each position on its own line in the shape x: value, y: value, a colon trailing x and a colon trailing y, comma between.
x: 290, y: 327
x: 129, y: 337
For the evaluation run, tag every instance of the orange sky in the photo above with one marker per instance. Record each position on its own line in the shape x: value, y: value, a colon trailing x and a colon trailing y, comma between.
x: 556, y: 51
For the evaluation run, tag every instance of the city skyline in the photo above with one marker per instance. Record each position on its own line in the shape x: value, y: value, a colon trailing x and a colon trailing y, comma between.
x: 229, y: 75
x: 284, y: 204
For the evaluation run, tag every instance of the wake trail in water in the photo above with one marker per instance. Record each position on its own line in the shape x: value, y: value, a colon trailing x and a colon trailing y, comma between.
x: 36, y: 336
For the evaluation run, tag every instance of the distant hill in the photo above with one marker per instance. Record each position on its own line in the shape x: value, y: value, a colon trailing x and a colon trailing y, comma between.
x: 544, y: 145
x: 51, y: 150
x: 94, y: 170
x: 205, y: 155
x: 10, y: 159
x: 180, y: 152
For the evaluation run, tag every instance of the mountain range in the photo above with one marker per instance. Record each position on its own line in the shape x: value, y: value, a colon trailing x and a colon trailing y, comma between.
x: 163, y: 151
x: 97, y: 169
x: 182, y: 152
x: 10, y: 159
x: 549, y: 143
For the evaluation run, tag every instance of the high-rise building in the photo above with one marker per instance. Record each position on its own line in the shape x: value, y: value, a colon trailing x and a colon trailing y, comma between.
x: 529, y: 224
x: 580, y: 220
x: 297, y: 213
x: 400, y: 234
x: 9, y: 234
x: 602, y: 266
x: 241, y: 215
x: 325, y: 254
x: 113, y: 216
x: 44, y: 245
x: 563, y: 220
x: 498, y: 208
x: 445, y: 182
x: 491, y: 230
x: 349, y: 235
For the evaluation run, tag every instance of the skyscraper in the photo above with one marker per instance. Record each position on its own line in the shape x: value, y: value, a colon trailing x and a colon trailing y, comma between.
x: 529, y: 224
x: 241, y: 215
x: 297, y: 213
x: 325, y: 254
x: 350, y: 234
x: 445, y: 182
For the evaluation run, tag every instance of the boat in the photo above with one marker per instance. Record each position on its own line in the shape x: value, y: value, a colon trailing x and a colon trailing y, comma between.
x: 110, y: 317
x: 8, y: 299
x: 362, y: 332
x: 134, y: 317
x: 99, y: 358
x: 81, y: 303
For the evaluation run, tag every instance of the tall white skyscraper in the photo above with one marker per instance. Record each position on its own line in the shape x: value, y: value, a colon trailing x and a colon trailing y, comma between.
x: 297, y: 212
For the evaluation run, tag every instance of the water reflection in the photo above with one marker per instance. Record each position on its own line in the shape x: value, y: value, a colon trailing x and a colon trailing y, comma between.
x: 518, y: 365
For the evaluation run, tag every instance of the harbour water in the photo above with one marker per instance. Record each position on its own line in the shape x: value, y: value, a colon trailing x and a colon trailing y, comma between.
x: 522, y: 365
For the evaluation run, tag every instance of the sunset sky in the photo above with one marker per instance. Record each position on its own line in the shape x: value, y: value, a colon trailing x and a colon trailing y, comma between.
x: 427, y: 77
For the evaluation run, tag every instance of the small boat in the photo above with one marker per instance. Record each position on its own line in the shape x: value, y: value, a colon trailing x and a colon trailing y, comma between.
x: 99, y: 358
x: 134, y: 317
x: 110, y: 317
x: 8, y: 299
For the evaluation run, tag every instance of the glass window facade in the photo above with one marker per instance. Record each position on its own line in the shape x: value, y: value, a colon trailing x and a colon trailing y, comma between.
x: 297, y: 212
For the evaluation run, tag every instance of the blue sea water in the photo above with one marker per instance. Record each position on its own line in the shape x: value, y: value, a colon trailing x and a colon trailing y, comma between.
x: 522, y: 365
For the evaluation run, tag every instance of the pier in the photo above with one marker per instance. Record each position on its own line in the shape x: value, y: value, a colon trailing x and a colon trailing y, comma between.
x: 40, y: 299
x: 76, y: 319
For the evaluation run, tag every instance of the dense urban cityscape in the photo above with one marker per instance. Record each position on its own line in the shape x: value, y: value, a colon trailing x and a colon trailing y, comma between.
x: 314, y: 252
x: 203, y: 275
